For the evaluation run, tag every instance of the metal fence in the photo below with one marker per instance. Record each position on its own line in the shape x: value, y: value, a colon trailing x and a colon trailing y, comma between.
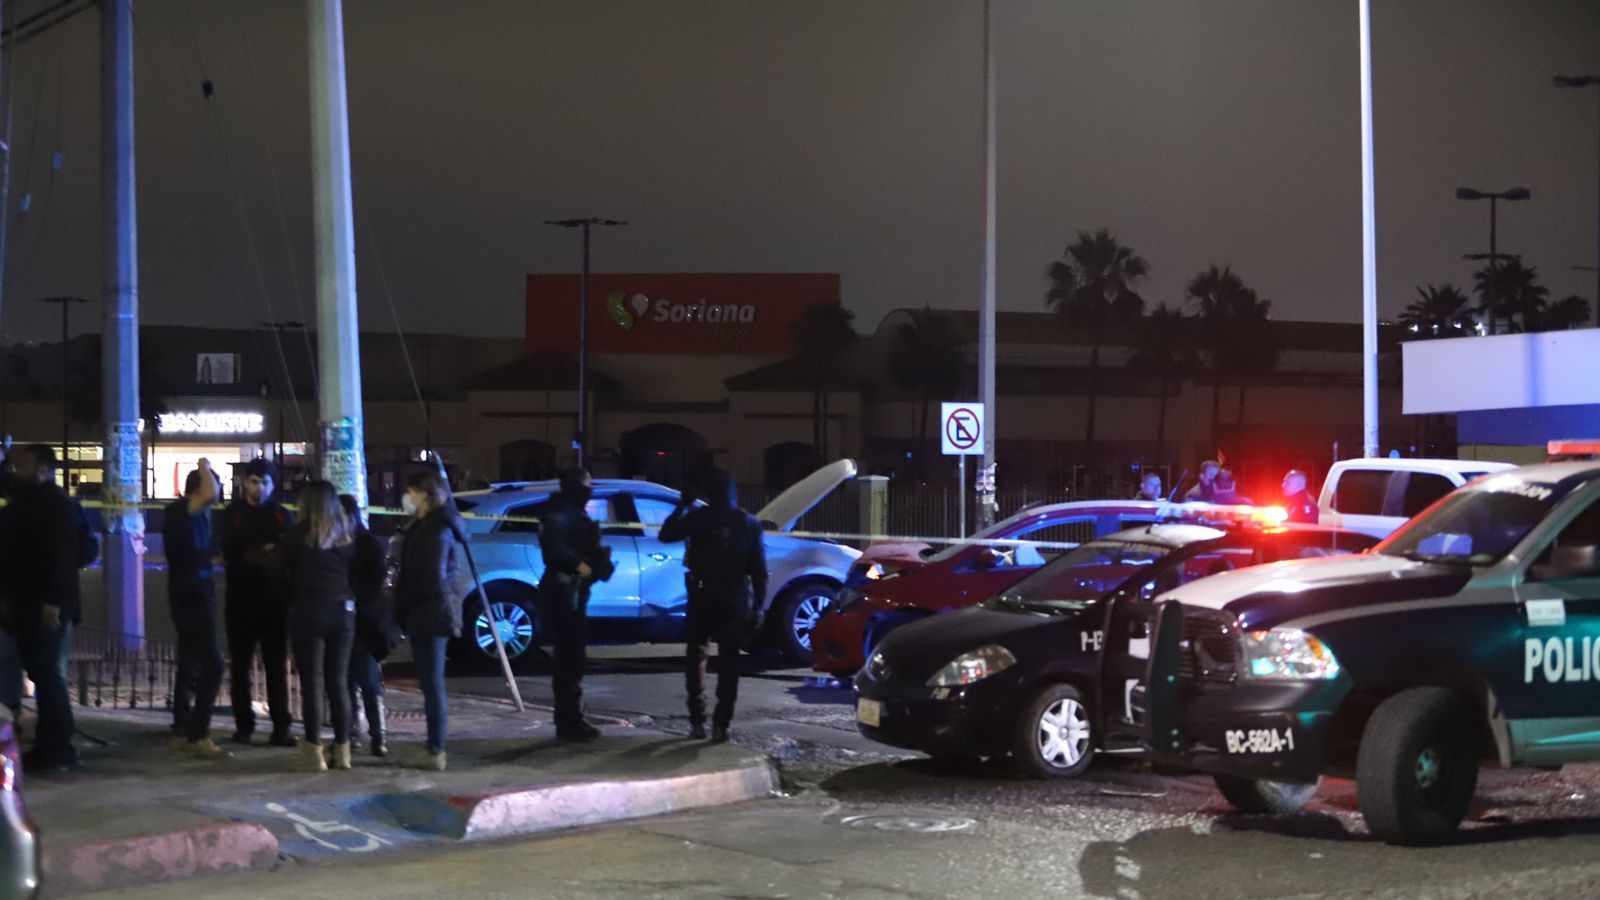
x: 115, y: 671
x: 926, y: 512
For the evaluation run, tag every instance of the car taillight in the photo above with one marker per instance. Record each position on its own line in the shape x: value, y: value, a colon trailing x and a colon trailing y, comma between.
x: 10, y: 760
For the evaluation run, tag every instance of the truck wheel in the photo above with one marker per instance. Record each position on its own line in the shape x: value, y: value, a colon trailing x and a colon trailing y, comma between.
x: 1267, y: 798
x: 795, y: 613
x: 1416, y: 770
x: 1055, y: 737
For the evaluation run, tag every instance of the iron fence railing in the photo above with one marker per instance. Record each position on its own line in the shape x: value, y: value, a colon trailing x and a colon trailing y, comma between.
x: 118, y: 671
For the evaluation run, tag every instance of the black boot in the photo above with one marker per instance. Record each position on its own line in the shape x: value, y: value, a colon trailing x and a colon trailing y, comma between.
x: 376, y: 721
x: 697, y: 731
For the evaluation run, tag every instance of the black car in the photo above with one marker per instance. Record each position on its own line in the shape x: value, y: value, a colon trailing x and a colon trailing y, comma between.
x: 1017, y: 674
x: 1471, y: 636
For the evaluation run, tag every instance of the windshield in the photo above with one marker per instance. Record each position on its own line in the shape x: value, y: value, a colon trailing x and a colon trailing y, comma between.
x: 1077, y: 577
x: 1475, y: 526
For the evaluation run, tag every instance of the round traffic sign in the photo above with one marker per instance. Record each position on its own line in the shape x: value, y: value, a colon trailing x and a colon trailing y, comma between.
x: 963, y: 429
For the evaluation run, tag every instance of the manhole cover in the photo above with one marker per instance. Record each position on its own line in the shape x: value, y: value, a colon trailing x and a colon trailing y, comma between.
x: 923, y: 824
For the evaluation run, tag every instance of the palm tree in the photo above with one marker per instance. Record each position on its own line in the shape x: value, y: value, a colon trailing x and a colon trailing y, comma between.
x: 1165, y: 351
x: 1235, y: 330
x: 822, y: 338
x: 1510, y: 292
x: 1092, y: 285
x: 929, y: 358
x: 1443, y: 311
x: 1566, y: 314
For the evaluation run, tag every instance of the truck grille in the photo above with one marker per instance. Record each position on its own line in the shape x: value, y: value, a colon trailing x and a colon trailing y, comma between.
x: 1210, y: 647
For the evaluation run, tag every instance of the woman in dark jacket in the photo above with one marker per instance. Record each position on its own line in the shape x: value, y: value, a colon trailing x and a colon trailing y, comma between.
x: 376, y: 631
x: 316, y: 558
x: 428, y: 593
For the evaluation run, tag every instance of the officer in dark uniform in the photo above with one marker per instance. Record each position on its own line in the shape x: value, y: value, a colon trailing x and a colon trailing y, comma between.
x: 573, y: 561
x: 727, y: 563
x: 1297, y: 500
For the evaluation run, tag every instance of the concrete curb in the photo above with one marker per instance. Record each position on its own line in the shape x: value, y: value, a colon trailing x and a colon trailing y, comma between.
x: 151, y: 858
x: 591, y: 803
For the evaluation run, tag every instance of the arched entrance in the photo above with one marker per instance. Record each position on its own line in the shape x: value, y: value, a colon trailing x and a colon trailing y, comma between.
x: 665, y: 453
x: 527, y: 461
x: 786, y: 463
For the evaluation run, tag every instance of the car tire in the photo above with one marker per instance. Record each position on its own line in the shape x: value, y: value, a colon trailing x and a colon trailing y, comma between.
x: 1258, y: 796
x: 518, y: 613
x: 1415, y: 775
x: 793, y: 616
x: 1054, y: 736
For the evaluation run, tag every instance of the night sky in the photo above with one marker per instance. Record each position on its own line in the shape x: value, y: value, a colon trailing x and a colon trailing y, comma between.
x: 816, y: 136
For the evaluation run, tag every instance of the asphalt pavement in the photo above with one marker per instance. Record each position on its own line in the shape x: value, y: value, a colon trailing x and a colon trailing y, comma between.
x: 858, y: 820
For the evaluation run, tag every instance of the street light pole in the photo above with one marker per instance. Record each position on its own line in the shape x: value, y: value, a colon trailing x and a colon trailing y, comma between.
x: 1369, y: 248
x: 1494, y: 197
x: 1583, y: 81
x: 580, y: 441
x: 986, y: 302
x: 66, y: 360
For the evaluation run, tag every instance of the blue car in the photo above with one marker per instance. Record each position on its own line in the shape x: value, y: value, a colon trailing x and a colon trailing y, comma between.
x: 646, y: 598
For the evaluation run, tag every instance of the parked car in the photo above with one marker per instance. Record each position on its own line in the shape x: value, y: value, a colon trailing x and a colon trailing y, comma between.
x: 645, y: 600
x: 19, y: 839
x: 1468, y: 636
x: 1378, y: 495
x: 1021, y: 673
x: 902, y: 586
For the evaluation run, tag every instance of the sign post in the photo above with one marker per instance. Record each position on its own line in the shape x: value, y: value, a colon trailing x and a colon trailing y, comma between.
x: 961, y: 435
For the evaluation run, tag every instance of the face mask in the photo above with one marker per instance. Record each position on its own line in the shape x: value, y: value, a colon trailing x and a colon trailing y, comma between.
x: 408, y: 503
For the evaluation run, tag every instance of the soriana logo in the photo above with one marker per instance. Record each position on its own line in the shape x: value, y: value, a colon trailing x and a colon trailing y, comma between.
x: 702, y: 313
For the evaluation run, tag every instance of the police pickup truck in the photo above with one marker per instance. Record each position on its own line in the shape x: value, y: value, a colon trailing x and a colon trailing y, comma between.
x: 1470, y: 636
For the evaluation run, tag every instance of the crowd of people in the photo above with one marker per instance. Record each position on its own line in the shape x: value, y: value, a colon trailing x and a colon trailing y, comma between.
x: 1215, y: 484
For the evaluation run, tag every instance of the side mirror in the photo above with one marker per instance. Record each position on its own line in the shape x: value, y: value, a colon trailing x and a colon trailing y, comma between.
x: 1580, y: 561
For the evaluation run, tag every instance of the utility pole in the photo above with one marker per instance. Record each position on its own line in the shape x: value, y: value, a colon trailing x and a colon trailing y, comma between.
x: 342, y: 443
x: 986, y: 303
x: 580, y: 441
x: 1369, y: 250
x: 123, y: 488
x: 288, y: 386
x: 66, y: 363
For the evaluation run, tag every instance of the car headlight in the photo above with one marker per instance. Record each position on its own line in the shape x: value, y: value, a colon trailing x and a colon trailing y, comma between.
x: 877, y: 668
x: 1287, y: 653
x: 975, y: 666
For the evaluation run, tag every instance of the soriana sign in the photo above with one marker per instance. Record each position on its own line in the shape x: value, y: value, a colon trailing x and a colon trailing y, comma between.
x: 729, y: 313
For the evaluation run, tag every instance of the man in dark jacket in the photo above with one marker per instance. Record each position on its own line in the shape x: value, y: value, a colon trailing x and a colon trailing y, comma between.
x: 257, y: 610
x: 45, y: 541
x: 727, y: 563
x: 1206, y: 489
x: 573, y: 561
x: 192, y: 597
x: 1301, y: 506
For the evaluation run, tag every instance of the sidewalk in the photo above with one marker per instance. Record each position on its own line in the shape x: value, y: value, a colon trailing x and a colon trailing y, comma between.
x: 139, y: 814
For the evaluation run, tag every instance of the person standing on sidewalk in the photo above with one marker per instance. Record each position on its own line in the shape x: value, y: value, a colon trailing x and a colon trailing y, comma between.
x: 573, y: 561
x: 252, y: 527
x: 192, y: 598
x: 429, y: 590
x: 375, y: 629
x: 46, y: 540
x: 316, y: 557
x: 727, y: 563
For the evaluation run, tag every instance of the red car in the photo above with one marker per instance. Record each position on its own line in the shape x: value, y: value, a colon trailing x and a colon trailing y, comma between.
x: 897, y: 585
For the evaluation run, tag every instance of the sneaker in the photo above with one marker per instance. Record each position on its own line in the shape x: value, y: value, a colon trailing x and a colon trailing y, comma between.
x: 207, y: 749
x: 283, y: 739
x: 697, y: 732
x: 310, y: 759
x: 427, y: 761
x: 719, y: 734
x: 437, y: 761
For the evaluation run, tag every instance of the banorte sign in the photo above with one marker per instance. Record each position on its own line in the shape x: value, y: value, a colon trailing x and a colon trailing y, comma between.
x: 684, y: 313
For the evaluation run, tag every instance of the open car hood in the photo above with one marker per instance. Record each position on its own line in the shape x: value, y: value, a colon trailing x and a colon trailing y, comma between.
x: 787, y: 508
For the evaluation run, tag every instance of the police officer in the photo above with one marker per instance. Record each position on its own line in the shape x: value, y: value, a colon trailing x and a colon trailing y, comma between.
x: 1297, y: 500
x: 573, y: 561
x: 1205, y: 490
x: 1150, y: 488
x: 727, y: 563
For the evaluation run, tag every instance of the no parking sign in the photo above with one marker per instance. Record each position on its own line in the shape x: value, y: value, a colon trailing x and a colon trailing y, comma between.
x: 961, y: 429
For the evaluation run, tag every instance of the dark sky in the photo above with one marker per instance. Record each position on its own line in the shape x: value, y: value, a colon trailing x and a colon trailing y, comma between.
x: 823, y: 135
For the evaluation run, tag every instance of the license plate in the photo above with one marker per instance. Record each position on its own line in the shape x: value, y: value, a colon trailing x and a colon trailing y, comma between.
x: 869, y: 712
x: 1258, y: 741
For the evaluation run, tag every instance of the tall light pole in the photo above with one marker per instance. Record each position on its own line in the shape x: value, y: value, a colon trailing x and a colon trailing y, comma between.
x: 580, y: 441
x: 124, y: 477
x: 340, y: 428
x: 1369, y: 250
x: 1494, y: 197
x: 986, y: 303
x: 66, y: 304
x: 1582, y: 81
